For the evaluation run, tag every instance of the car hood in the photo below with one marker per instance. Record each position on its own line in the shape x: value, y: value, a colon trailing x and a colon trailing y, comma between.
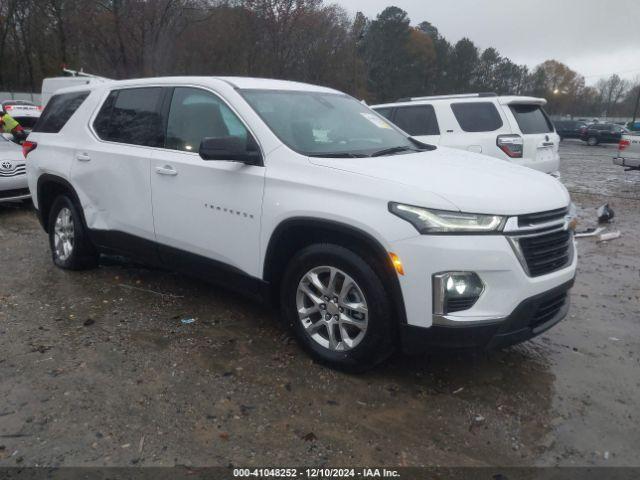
x: 10, y: 151
x: 472, y: 182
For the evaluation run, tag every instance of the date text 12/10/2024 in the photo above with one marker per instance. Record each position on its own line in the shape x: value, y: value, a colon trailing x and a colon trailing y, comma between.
x: 315, y: 473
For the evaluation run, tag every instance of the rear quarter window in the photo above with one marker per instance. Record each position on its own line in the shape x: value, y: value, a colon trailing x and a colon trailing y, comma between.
x: 27, y: 122
x: 58, y: 111
x: 477, y: 116
x: 531, y: 119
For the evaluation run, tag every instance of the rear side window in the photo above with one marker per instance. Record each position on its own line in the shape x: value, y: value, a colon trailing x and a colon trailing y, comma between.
x: 132, y: 116
x: 58, y: 111
x: 477, y: 116
x: 531, y: 119
x: 385, y: 112
x: 417, y: 120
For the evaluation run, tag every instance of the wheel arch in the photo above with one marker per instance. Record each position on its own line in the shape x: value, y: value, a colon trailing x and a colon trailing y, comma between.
x: 49, y: 187
x: 293, y: 234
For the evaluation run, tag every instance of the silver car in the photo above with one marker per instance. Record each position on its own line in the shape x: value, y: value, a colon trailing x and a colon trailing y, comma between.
x: 24, y: 112
x: 13, y: 178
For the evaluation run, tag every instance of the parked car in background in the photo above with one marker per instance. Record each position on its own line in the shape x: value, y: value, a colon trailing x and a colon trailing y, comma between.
x: 13, y: 178
x: 24, y: 112
x: 365, y: 237
x: 629, y: 151
x: 71, y: 78
x: 602, y: 133
x: 569, y: 128
x: 515, y: 129
x: 633, y: 127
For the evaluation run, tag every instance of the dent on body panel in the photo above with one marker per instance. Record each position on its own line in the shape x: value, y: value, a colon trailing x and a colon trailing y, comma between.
x: 95, y: 221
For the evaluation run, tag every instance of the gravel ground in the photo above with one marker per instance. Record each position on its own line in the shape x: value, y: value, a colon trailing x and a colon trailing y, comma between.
x: 96, y: 368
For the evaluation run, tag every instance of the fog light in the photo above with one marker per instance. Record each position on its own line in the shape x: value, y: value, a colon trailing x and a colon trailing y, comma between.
x: 455, y: 291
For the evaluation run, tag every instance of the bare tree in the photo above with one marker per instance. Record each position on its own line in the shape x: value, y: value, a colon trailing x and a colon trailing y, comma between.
x: 611, y: 92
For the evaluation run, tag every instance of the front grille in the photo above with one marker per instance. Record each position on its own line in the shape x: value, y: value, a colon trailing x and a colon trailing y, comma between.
x: 548, y: 309
x: 18, y: 192
x: 547, y: 252
x: 460, y: 304
x: 19, y: 170
x: 536, y: 219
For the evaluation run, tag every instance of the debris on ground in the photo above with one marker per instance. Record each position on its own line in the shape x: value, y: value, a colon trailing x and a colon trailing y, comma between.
x: 605, y: 213
x: 572, y: 216
x: 40, y: 348
x: 589, y: 232
x: 609, y: 236
x: 88, y: 322
x: 188, y: 321
x: 310, y: 437
x: 476, y: 421
x: 146, y: 290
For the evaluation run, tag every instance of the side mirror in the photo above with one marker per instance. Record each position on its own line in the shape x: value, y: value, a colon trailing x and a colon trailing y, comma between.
x: 231, y: 149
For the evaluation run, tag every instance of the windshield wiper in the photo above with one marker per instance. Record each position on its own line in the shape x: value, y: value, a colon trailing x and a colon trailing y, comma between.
x: 392, y: 150
x: 339, y: 155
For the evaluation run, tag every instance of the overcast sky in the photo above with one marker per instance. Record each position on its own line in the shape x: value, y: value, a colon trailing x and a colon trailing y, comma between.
x: 594, y: 37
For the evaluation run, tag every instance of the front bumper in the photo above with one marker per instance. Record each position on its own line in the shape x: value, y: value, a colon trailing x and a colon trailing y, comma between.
x: 14, y: 188
x: 532, y: 317
x: 491, y: 257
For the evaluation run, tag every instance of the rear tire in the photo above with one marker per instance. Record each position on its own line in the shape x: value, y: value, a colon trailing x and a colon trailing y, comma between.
x: 71, y: 248
x: 338, y: 308
x: 592, y: 141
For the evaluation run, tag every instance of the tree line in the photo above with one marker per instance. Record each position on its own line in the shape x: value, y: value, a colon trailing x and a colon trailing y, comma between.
x: 377, y: 59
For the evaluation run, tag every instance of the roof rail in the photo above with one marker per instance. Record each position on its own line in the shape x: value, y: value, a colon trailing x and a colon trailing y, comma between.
x: 448, y: 97
x: 81, y: 73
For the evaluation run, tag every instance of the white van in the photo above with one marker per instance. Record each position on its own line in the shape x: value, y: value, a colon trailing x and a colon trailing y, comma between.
x: 53, y: 84
x: 511, y: 128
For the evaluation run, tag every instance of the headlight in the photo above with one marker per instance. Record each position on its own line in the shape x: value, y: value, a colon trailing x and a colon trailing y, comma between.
x: 440, y: 221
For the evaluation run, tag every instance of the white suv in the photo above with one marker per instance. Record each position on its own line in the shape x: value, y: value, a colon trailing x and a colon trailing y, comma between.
x: 515, y: 129
x: 301, y: 195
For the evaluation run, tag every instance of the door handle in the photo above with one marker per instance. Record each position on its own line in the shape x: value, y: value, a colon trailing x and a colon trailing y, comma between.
x: 166, y: 170
x: 83, y: 157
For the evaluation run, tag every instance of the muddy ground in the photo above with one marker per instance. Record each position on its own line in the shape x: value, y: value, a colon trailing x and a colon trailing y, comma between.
x: 96, y: 368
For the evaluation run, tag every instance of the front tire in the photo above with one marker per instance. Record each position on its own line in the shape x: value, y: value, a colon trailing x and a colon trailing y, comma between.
x: 592, y: 141
x: 70, y: 246
x: 338, y: 308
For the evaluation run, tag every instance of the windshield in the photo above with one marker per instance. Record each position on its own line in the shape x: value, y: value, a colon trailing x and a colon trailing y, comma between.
x: 327, y: 124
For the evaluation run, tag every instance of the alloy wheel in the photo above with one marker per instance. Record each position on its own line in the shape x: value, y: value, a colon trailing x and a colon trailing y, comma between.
x: 64, y: 234
x: 332, y: 308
